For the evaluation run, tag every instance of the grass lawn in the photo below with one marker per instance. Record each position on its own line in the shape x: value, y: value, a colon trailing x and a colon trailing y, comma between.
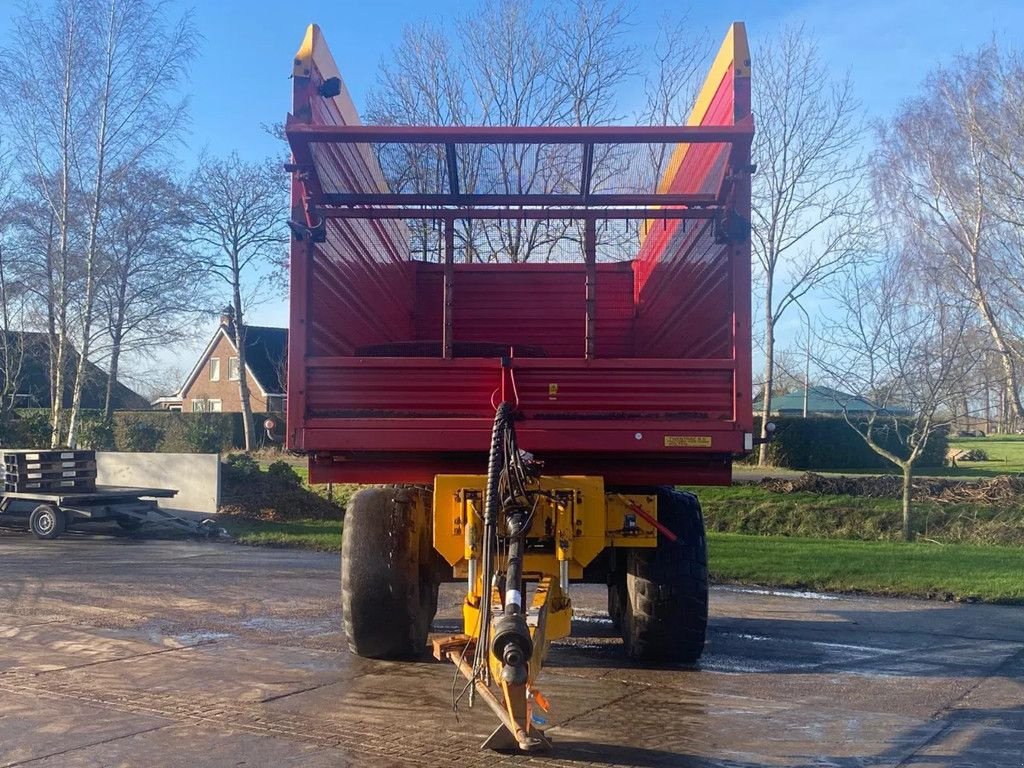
x: 323, y: 535
x: 752, y: 509
x: 990, y: 574
x: 1005, y: 453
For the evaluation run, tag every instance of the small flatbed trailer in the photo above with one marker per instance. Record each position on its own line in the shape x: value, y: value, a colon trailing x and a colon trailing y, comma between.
x: 50, y: 512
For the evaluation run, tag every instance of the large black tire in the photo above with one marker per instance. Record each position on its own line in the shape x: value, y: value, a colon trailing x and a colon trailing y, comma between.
x: 666, y: 615
x: 617, y: 598
x: 389, y: 574
x: 47, y: 522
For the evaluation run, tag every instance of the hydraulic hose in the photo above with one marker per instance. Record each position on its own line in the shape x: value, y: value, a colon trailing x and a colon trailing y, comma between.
x: 512, y: 642
x: 495, y: 463
x: 514, y: 567
x: 492, y: 502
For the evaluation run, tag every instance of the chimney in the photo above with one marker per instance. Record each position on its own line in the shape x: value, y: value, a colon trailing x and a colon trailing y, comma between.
x: 227, y: 319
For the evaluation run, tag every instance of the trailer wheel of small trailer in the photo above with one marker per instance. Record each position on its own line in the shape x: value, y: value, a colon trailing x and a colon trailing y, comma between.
x: 47, y: 522
x: 389, y: 577
x: 665, y: 616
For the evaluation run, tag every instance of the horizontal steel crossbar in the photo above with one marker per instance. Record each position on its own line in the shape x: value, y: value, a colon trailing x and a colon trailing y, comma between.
x: 501, y: 134
x: 516, y: 214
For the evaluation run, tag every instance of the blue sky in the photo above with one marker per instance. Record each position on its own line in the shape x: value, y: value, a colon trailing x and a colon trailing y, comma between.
x: 240, y: 79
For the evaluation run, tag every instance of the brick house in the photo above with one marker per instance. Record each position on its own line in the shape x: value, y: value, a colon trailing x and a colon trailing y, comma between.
x: 212, y: 385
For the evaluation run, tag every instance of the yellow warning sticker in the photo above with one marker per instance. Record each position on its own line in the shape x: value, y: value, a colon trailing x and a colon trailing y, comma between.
x: 687, y: 441
x: 552, y: 391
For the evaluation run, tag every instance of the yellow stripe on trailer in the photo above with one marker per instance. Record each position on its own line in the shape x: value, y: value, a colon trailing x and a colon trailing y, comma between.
x: 734, y: 52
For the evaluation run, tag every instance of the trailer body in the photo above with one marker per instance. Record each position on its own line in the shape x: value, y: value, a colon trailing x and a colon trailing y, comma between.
x: 634, y: 366
x: 585, y: 380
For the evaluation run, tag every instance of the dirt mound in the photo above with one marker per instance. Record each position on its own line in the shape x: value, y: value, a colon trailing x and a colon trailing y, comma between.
x: 999, y: 491
x: 275, y: 494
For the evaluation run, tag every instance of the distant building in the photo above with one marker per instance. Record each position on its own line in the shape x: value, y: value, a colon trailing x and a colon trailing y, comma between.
x: 212, y: 385
x: 32, y: 375
x: 823, y: 401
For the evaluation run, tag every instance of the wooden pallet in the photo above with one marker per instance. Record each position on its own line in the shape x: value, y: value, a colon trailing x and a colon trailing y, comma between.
x: 81, y: 484
x: 49, y: 470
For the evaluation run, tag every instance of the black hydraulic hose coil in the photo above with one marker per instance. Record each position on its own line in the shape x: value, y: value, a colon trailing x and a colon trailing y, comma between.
x: 495, y: 463
x: 492, y: 501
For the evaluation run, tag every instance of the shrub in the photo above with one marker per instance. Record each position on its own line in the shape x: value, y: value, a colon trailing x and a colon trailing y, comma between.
x: 139, y: 436
x: 183, y: 432
x: 202, y: 435
x: 829, y: 443
x: 162, y: 431
x: 284, y: 473
x: 95, y: 432
x: 29, y: 429
x: 242, y: 463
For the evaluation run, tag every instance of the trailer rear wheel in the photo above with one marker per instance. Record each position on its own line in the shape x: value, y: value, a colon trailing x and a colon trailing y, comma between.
x: 389, y: 578
x: 617, y: 598
x: 47, y: 522
x: 666, y: 614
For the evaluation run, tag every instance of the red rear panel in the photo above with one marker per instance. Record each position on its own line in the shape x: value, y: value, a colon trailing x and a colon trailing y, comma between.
x: 663, y: 395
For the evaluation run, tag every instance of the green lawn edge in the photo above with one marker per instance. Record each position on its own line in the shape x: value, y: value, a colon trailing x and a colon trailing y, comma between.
x: 963, y: 572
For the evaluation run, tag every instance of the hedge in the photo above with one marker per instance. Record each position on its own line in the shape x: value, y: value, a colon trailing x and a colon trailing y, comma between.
x: 821, y: 442
x: 824, y: 442
x: 160, y: 431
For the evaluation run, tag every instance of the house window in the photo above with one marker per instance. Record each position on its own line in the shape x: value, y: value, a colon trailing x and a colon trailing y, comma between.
x: 206, y: 406
x: 214, y: 369
x: 233, y: 373
x: 275, y: 404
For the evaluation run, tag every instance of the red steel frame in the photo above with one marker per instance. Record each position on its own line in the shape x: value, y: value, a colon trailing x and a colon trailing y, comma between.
x: 413, y: 448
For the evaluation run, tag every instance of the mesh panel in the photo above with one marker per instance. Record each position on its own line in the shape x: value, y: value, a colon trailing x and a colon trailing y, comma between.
x: 507, y: 168
x: 541, y: 241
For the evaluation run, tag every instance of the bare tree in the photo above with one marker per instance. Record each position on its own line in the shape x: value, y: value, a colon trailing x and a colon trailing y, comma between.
x: 98, y: 97
x: 933, y: 165
x: 237, y: 211
x: 899, y: 345
x: 140, y: 58
x: 44, y: 111
x: 154, y: 284
x: 670, y: 89
x: 790, y: 376
x: 808, y: 210
x: 12, y: 294
x: 513, y: 63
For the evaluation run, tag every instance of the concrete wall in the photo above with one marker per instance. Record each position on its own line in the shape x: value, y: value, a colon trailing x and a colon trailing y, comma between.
x: 196, y: 476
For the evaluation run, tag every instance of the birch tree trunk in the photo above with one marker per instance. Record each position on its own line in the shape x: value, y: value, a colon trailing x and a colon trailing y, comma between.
x: 237, y: 212
x: 769, y: 372
x: 58, y: 324
x: 908, y: 482
x: 243, y: 378
x: 110, y: 52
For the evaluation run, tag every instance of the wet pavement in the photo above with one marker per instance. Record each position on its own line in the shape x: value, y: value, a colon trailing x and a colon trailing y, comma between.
x: 120, y: 652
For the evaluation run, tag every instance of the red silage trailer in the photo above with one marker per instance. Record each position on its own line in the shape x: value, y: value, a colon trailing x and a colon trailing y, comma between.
x: 616, y: 353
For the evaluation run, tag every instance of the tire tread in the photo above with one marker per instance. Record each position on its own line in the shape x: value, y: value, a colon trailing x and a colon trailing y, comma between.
x: 388, y: 585
x: 666, y: 611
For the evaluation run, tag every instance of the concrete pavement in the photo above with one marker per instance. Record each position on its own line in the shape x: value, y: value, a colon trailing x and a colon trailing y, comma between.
x: 120, y: 652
